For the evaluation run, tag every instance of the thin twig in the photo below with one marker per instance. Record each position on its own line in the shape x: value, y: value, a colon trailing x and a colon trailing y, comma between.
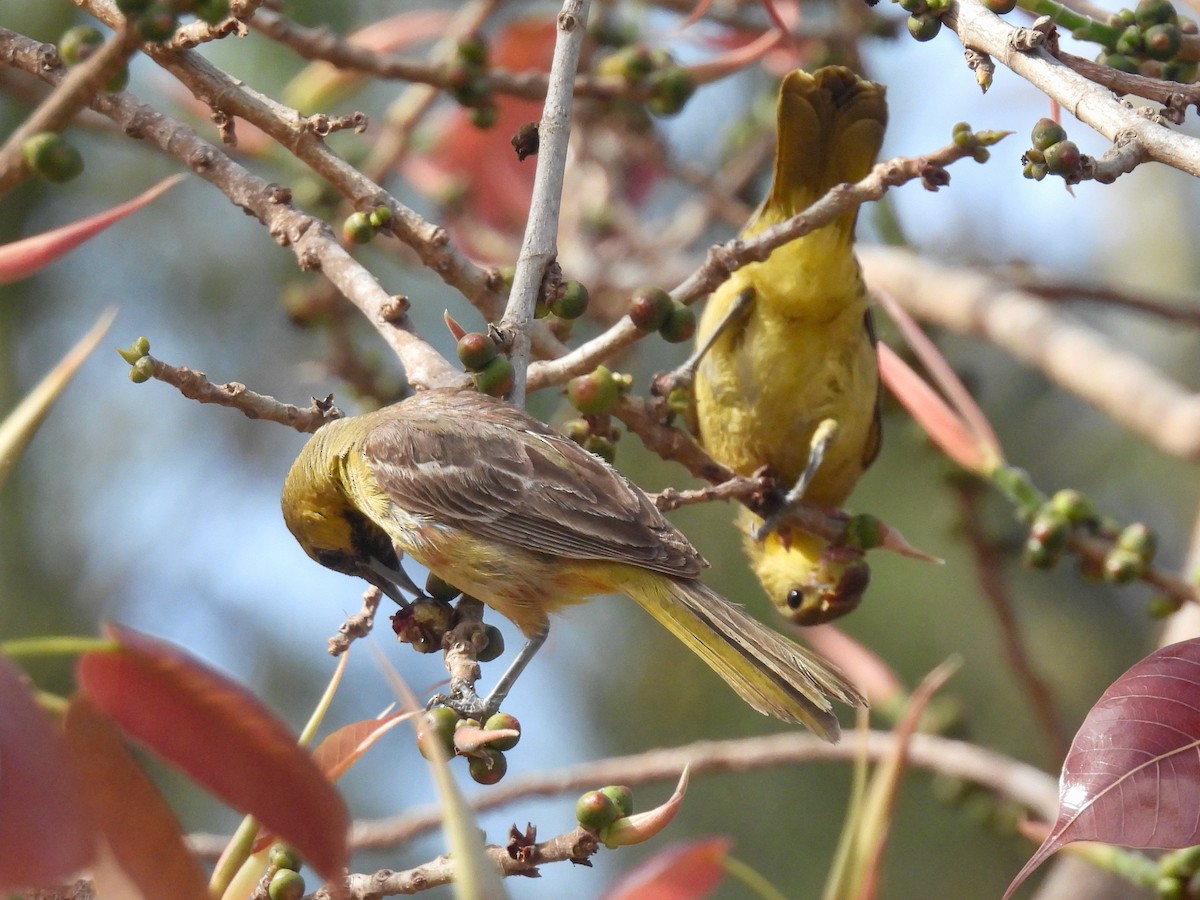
x: 982, y: 30
x: 72, y: 93
x: 309, y: 238
x: 1003, y: 775
x: 539, y: 248
x: 724, y: 259
x: 195, y: 386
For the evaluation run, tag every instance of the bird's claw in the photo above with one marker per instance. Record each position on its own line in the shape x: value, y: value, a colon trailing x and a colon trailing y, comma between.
x: 467, y: 703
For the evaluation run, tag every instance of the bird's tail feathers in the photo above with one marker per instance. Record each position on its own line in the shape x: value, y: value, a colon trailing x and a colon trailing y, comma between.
x: 831, y: 127
x: 773, y: 674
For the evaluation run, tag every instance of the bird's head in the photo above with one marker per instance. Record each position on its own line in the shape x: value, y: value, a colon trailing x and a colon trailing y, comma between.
x: 809, y: 581
x: 319, y: 512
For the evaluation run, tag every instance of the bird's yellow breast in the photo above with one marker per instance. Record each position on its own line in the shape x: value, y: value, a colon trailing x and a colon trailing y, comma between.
x: 802, y: 354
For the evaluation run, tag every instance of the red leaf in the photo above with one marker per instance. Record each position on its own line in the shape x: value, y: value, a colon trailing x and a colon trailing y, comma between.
x: 945, y: 427
x: 338, y: 751
x: 684, y: 871
x: 221, y: 735
x: 24, y: 257
x: 146, y: 855
x: 1132, y: 776
x: 45, y: 833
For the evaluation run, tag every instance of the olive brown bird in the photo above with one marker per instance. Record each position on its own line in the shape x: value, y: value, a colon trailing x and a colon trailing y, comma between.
x: 786, y: 376
x: 508, y: 510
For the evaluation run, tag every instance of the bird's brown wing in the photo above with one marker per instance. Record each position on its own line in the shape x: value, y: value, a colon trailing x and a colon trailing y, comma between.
x: 476, y: 463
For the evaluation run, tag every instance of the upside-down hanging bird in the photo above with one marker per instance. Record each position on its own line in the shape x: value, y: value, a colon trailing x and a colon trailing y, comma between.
x: 789, y: 380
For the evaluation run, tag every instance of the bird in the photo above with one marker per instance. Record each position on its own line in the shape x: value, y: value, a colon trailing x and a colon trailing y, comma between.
x: 785, y: 375
x: 508, y: 510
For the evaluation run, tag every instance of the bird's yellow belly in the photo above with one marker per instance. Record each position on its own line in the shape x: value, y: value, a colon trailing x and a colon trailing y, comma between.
x: 767, y: 384
x: 522, y: 585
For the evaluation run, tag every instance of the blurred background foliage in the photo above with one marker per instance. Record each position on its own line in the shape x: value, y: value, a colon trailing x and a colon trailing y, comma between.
x: 134, y: 504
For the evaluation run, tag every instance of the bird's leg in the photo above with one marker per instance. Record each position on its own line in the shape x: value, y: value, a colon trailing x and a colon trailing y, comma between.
x: 499, y: 693
x: 464, y: 700
x: 685, y: 374
x: 823, y: 436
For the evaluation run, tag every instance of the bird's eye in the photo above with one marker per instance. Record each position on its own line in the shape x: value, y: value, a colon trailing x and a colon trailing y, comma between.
x: 795, y: 598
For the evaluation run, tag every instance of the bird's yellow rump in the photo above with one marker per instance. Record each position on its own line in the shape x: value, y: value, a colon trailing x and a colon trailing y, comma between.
x: 798, y: 346
x: 510, y: 511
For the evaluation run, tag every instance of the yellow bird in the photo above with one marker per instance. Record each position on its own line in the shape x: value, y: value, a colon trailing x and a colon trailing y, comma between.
x: 797, y: 346
x: 515, y: 514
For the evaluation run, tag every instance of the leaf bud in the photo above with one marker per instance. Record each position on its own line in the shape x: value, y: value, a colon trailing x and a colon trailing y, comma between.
x: 211, y: 11
x: 601, y: 446
x: 473, y: 51
x: 1122, y: 566
x: 380, y: 216
x: 1072, y: 504
x: 1119, y: 61
x: 1130, y: 41
x: 284, y: 857
x: 440, y: 589
x: 156, y: 23
x: 1140, y: 539
x: 670, y: 90
x: 142, y: 370
x: 136, y: 350
x: 1155, y: 12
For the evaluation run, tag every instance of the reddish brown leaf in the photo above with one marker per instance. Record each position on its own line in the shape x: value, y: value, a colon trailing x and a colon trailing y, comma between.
x: 221, y: 735
x: 1132, y: 776
x: 22, y: 258
x: 45, y: 833
x: 945, y: 427
x: 146, y: 855
x: 343, y: 748
x: 684, y: 871
x: 339, y: 751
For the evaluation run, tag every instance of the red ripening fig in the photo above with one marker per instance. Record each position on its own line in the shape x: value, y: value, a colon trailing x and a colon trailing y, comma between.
x: 649, y: 308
